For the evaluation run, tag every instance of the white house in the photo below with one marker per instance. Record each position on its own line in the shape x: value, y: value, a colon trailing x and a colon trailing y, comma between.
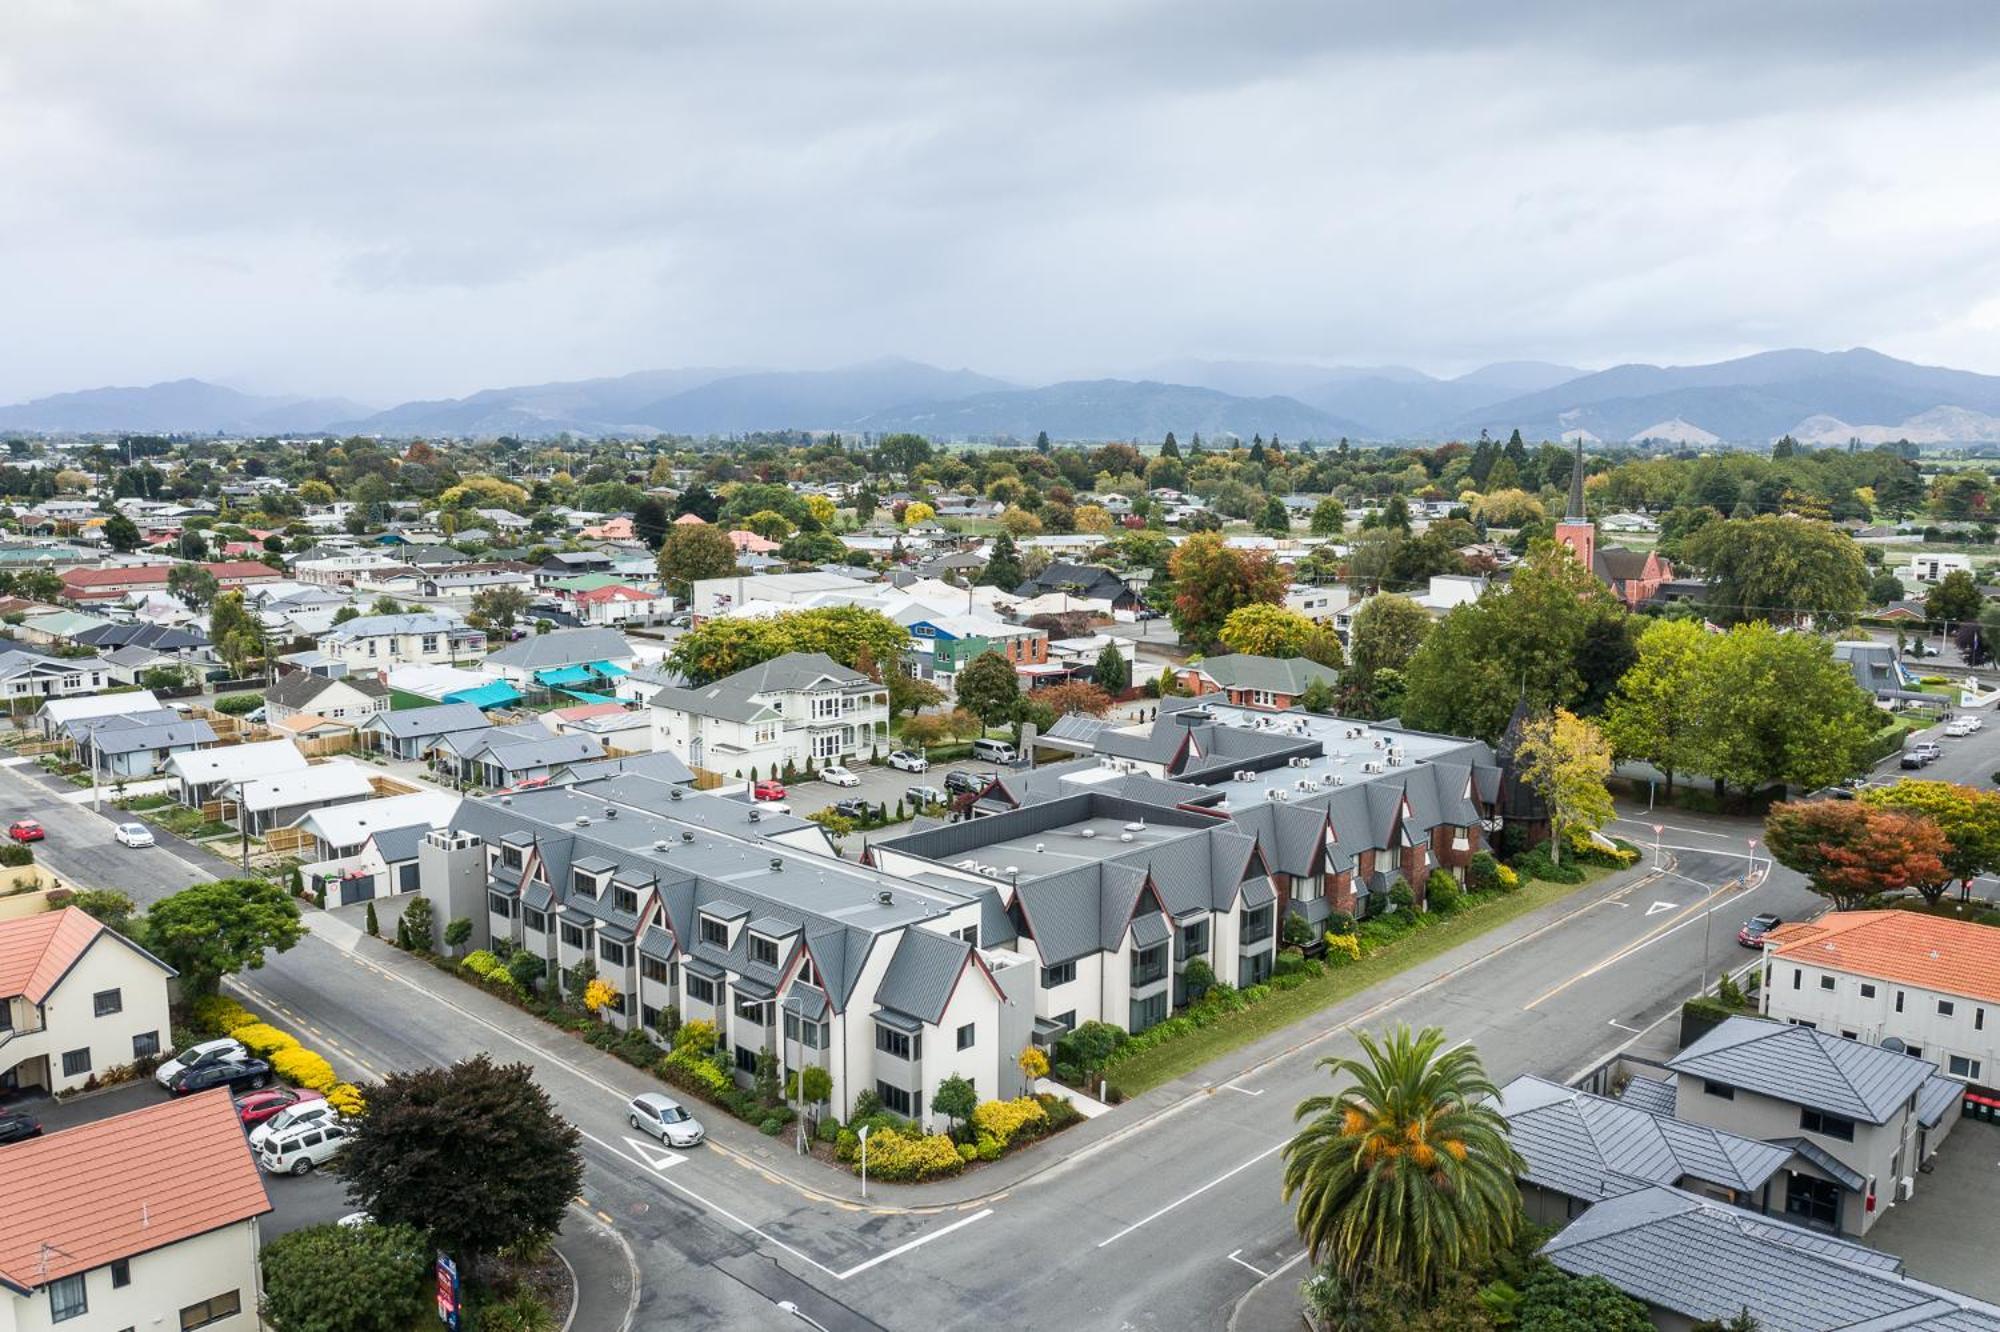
x: 282, y: 799
x: 343, y: 830
x: 212, y: 774
x: 146, y: 1219
x: 415, y: 639
x: 54, y: 715
x: 803, y: 705
x: 1927, y: 568
x: 352, y: 698
x: 76, y: 1001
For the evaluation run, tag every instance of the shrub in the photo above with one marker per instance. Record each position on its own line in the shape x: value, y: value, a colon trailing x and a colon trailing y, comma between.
x: 1200, y: 978
x: 1091, y: 1045
x: 686, y: 1069
x: 1339, y: 922
x: 695, y: 1038
x: 1295, y: 932
x: 236, y: 705
x: 1034, y: 1064
x: 1441, y: 892
x: 13, y: 855
x: 828, y: 1131
x: 1729, y: 992
x: 1062, y: 1112
x: 1536, y: 864
x: 346, y: 1098
x: 967, y: 1152
x: 303, y: 1068
x: 1005, y: 1120
x: 896, y: 1156
x: 216, y: 1015
x: 599, y: 995
x: 1482, y: 872
x: 1342, y: 949
x: 771, y: 1127
x: 481, y: 963
x: 263, y: 1040
x: 1509, y: 881
x: 988, y: 1148
x: 1400, y: 896
x: 525, y: 969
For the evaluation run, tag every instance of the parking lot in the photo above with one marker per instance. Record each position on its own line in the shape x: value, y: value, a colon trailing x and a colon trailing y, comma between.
x: 296, y: 1200
x: 1937, y: 1232
x: 880, y: 785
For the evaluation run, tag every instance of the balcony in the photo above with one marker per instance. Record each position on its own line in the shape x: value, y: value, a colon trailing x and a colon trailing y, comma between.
x: 1149, y: 967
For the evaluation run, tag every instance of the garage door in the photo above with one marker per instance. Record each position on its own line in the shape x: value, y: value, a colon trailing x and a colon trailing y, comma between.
x: 357, y: 890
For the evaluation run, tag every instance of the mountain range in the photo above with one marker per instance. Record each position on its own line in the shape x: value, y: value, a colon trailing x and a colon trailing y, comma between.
x: 1818, y: 397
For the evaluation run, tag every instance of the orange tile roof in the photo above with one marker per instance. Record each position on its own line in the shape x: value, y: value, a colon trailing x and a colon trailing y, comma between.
x: 122, y: 1186
x: 35, y: 951
x: 1934, y: 952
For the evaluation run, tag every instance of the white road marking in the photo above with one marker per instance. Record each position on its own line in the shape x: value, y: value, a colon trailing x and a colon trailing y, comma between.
x: 1658, y: 907
x: 1240, y: 1263
x: 1246, y: 1091
x: 1622, y: 1027
x: 662, y: 1159
x: 1189, y: 1197
x: 920, y: 1240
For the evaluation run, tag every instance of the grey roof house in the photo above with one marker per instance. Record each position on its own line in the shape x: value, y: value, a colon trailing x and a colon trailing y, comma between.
x: 410, y: 733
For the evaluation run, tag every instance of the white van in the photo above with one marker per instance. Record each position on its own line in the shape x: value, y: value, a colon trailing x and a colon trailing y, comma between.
x: 994, y: 751
x: 297, y: 1153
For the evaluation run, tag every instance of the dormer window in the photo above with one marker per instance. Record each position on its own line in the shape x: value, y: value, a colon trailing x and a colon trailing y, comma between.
x: 625, y: 899
x: 714, y: 933
x: 510, y: 856
x: 808, y: 973
x: 763, y: 951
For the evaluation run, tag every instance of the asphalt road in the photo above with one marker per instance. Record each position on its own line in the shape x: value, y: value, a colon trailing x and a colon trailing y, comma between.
x: 1164, y: 1226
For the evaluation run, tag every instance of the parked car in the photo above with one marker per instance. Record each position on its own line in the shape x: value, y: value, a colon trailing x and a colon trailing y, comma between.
x: 258, y: 1108
x: 300, y: 1115
x: 1754, y: 929
x: 17, y: 1127
x: 1958, y: 726
x: 909, y: 761
x: 134, y: 834
x: 1921, y: 754
x: 960, y: 782
x: 838, y: 775
x: 235, y: 1074
x: 1975, y: 721
x: 1147, y: 615
x: 355, y: 1220
x: 297, y: 1153
x: 26, y: 830
x: 680, y: 620
x: 768, y: 790
x: 666, y: 1119
x: 927, y: 795
x: 208, y: 1052
x: 853, y: 809
x: 994, y: 751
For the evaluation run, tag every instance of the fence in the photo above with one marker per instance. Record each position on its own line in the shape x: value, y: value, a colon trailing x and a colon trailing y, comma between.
x: 704, y: 780
x: 322, y: 746
x: 286, y: 841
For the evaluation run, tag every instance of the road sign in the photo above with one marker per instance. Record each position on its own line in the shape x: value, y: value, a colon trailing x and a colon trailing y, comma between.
x: 447, y: 1291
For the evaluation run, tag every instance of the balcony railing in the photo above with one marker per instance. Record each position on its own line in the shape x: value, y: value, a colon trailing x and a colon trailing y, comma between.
x: 1257, y: 929
x: 1150, y: 970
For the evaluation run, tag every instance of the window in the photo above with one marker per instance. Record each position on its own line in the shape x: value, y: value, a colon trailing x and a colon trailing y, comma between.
x: 1194, y: 940
x: 66, y: 1298
x: 510, y: 856
x: 1914, y: 1051
x: 121, y: 1272
x: 746, y: 1059
x: 1867, y: 990
x: 1832, y: 1126
x: 1797, y: 976
x: 107, y: 1002
x: 1946, y: 1008
x: 1718, y: 1089
x: 1826, y: 982
x: 896, y: 1099
x: 499, y: 905
x: 966, y: 1035
x: 970, y: 934
x: 1148, y: 1012
x: 536, y: 920
x: 652, y: 969
x: 1961, y: 1067
x: 1062, y: 973
x: 808, y: 974
x: 145, y: 1045
x: 751, y: 1010
x: 1849, y: 1036
x: 763, y: 951
x: 212, y: 1310
x: 1256, y: 924
x: 1066, y: 1020
x: 76, y: 1063
x: 715, y: 933
x: 900, y: 1044
x: 1979, y: 1019
x: 572, y: 935
x: 700, y: 987
x: 625, y: 900
x: 812, y: 1035
x: 650, y: 1016
x: 1815, y: 1201
x: 1149, y: 966
x: 613, y: 953
x: 1899, y: 1001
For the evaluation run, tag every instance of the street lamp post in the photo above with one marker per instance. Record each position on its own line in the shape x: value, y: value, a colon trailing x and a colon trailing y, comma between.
x: 1658, y: 828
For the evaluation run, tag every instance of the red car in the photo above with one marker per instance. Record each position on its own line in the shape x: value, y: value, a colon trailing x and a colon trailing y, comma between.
x: 764, y: 790
x: 26, y: 830
x: 259, y: 1106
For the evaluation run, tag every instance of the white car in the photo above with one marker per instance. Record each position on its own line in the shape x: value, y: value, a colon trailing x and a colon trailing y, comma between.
x: 666, y: 1119
x: 134, y: 834
x: 208, y: 1052
x: 1976, y: 723
x: 297, y: 1153
x: 909, y: 762
x: 1959, y: 726
x: 355, y: 1220
x: 838, y: 775
x: 303, y: 1115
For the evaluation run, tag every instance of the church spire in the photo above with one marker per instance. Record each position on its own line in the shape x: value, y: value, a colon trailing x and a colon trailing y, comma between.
x: 1576, y: 512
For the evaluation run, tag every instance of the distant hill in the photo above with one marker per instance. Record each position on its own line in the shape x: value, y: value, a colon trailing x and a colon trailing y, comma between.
x: 577, y: 406
x: 1380, y: 402
x: 1940, y: 425
x: 1115, y: 409
x: 809, y: 399
x: 1750, y: 400
x: 180, y: 406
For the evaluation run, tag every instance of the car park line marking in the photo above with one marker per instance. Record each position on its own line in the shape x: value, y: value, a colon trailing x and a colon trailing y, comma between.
x: 1240, y: 1263
x: 1190, y: 1197
x: 918, y: 1242
x: 1247, y: 1092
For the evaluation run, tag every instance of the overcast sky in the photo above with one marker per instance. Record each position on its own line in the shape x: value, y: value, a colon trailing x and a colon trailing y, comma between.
x: 394, y: 200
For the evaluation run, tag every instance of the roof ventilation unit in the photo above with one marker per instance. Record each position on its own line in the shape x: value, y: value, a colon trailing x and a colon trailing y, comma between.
x: 1135, y: 827
x: 674, y: 794
x: 506, y: 800
x: 1372, y: 766
x: 1087, y: 833
x: 687, y: 837
x: 1038, y: 848
x: 1012, y: 871
x: 1339, y: 780
x: 662, y: 845
x: 755, y: 814
x: 886, y: 898
x: 777, y: 865
x: 1124, y: 837
x: 583, y: 820
x: 611, y: 811
x: 1282, y: 795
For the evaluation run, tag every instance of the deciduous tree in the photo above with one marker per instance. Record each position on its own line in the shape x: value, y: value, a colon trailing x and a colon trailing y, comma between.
x: 334, y: 1278
x: 988, y: 687
x: 1211, y: 580
x: 1772, y: 707
x: 1566, y: 759
x: 1651, y: 716
x: 1780, y: 568
x: 1954, y: 601
x: 1265, y: 630
x: 216, y: 929
x: 693, y: 552
x: 1075, y: 696
x: 1851, y: 851
x: 1968, y: 817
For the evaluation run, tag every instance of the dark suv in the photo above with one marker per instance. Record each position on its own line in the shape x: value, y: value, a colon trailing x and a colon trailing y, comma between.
x: 236, y: 1074
x: 959, y: 782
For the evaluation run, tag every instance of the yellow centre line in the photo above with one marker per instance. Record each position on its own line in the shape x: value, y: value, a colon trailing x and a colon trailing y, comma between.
x: 1633, y: 947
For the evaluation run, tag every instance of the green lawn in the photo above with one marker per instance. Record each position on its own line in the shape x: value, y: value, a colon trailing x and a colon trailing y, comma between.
x: 1144, y: 1071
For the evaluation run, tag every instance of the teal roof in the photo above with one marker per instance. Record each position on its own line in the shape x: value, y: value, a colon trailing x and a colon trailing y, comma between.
x: 608, y: 670
x: 564, y: 675
x: 495, y: 695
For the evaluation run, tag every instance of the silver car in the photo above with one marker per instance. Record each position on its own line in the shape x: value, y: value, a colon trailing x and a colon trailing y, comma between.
x: 666, y: 1119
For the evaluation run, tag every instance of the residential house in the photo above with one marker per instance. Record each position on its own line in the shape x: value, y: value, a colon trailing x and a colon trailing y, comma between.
x: 130, y: 665
x: 341, y: 831
x: 605, y: 599
x: 1691, y: 1259
x: 1318, y: 604
x: 411, y: 639
x: 170, y: 640
x: 1854, y: 1113
x: 1629, y: 522
x: 76, y: 1001
x: 144, y: 1219
x: 207, y: 775
x: 562, y: 658
x: 352, y: 698
x: 885, y: 983
x: 720, y: 596
x: 129, y: 746
x: 57, y: 713
x: 1275, y: 683
x: 803, y: 706
x: 941, y: 645
x: 53, y: 628
x: 616, y: 528
x: 1928, y: 984
x: 1081, y: 587
x: 1932, y: 568
x: 570, y: 564
x: 410, y: 733
x: 25, y: 673
x: 510, y: 756
x: 284, y: 798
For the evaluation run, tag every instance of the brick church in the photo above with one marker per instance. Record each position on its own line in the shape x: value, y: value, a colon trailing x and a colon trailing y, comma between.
x: 1632, y: 575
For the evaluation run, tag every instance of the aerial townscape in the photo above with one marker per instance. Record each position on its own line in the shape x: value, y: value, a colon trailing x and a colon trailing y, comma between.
x: 568, y: 767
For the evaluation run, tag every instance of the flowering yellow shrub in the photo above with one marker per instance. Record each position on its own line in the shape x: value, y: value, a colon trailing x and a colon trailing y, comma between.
x: 262, y: 1039
x: 346, y: 1098
x: 1509, y: 880
x: 482, y: 963
x: 303, y: 1068
x: 891, y: 1155
x: 1004, y: 1119
x: 1034, y: 1063
x: 1346, y: 945
x: 600, y: 995
x: 214, y: 1014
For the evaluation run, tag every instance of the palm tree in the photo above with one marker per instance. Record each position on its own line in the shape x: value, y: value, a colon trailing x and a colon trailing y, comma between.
x: 1404, y: 1174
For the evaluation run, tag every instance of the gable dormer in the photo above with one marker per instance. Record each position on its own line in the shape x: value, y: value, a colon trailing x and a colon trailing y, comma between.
x: 591, y: 876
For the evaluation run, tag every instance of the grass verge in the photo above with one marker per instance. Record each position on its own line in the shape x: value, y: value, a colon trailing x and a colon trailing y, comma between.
x: 1148, y: 1069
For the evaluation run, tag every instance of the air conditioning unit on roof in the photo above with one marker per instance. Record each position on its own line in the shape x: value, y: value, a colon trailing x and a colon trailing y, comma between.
x: 1371, y: 766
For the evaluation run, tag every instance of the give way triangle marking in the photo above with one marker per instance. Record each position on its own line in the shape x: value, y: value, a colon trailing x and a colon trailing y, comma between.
x: 654, y: 1155
x: 1652, y: 910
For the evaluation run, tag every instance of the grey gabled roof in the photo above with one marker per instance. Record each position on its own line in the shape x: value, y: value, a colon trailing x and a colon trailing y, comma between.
x: 526, y: 755
x: 923, y: 973
x: 1849, y: 1178
x: 1591, y: 1147
x: 563, y: 647
x: 1704, y: 1259
x: 1936, y: 1097
x: 717, y: 700
x: 439, y: 719
x: 297, y: 689
x: 661, y: 765
x: 396, y: 845
x: 1279, y: 675
x: 1653, y: 1095
x: 1806, y: 1067
x: 794, y: 670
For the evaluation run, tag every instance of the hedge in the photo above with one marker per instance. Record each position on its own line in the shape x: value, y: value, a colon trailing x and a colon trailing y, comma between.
x: 1005, y: 1120
x: 303, y: 1068
x: 263, y: 1040
x: 218, y: 1015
